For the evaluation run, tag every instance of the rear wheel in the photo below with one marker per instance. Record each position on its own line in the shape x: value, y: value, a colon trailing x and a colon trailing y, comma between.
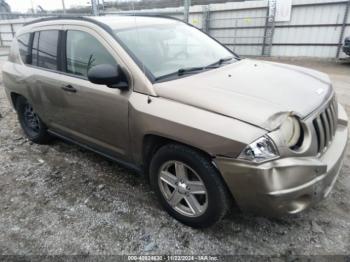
x: 31, y: 123
x: 189, y: 186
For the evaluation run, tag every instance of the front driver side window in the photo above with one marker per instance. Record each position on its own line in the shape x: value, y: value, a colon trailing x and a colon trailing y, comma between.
x: 85, y: 51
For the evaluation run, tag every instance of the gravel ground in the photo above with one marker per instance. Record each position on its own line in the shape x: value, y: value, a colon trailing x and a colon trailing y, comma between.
x: 61, y: 199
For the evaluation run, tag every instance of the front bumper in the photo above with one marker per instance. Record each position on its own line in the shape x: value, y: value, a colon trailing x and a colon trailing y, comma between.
x: 287, y: 185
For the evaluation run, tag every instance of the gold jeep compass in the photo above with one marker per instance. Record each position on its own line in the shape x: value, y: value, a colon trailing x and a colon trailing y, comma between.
x: 162, y: 97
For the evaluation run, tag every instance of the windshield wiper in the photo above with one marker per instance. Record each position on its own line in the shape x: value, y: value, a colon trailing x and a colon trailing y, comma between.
x: 222, y: 60
x: 216, y: 64
x: 183, y: 71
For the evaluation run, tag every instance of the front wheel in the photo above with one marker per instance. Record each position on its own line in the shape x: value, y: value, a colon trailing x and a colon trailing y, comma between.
x: 188, y: 185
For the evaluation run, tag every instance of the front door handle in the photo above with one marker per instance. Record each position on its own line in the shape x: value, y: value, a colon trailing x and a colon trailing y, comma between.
x: 69, y: 88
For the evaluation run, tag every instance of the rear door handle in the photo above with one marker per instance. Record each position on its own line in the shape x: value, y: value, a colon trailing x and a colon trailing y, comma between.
x: 69, y: 88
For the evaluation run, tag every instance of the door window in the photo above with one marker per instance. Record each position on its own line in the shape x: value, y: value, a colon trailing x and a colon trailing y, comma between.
x: 44, y: 52
x: 85, y: 51
x: 23, y: 46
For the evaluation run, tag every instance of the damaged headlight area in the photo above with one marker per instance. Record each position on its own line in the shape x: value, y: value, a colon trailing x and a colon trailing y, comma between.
x: 291, y: 132
x: 260, y: 150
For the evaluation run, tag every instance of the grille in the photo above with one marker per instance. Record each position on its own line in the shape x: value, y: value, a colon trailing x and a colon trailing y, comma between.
x: 325, y: 125
x: 347, y: 41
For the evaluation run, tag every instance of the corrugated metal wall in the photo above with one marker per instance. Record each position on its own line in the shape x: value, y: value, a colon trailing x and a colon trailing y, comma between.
x: 240, y: 26
x: 314, y: 30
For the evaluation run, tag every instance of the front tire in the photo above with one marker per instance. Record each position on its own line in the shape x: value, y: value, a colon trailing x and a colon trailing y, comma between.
x: 33, y: 127
x: 189, y: 186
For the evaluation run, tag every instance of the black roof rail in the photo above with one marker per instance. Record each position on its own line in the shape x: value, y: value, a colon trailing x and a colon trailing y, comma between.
x: 88, y: 19
x: 44, y: 19
x: 81, y: 18
x: 145, y: 14
x: 59, y: 17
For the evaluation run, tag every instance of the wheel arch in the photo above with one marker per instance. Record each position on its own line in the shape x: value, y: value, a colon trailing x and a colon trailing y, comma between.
x: 14, y: 96
x: 151, y: 143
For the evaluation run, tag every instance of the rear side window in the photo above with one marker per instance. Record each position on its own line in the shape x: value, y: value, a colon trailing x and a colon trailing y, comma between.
x: 44, y: 50
x: 85, y: 51
x: 23, y: 46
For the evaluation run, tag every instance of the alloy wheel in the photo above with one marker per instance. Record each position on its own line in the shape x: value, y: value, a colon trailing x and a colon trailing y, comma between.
x: 183, y: 189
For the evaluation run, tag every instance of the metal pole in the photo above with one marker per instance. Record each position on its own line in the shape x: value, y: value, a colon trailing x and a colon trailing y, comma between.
x: 94, y: 7
x: 33, y: 9
x: 187, y: 5
x: 346, y: 14
x: 272, y: 30
x: 12, y: 31
x: 206, y: 19
x: 103, y: 6
x: 265, y: 30
x: 269, y: 28
x: 1, y: 42
x: 235, y: 36
x: 64, y: 7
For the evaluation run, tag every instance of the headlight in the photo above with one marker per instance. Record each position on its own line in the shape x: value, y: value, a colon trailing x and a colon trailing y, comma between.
x: 260, y: 150
x: 290, y: 131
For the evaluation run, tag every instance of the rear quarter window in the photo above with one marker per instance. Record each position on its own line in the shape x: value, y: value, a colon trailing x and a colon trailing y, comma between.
x: 23, y: 47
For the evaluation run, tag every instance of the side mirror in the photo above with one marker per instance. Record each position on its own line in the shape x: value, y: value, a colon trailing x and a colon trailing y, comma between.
x: 109, y: 75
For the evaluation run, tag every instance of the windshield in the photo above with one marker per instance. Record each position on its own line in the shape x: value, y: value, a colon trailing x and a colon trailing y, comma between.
x: 164, y: 49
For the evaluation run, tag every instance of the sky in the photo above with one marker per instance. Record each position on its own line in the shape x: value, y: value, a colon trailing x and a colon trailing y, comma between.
x: 24, y: 5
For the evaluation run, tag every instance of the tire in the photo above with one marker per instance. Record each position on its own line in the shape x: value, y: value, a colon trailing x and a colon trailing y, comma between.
x: 167, y: 167
x: 33, y: 127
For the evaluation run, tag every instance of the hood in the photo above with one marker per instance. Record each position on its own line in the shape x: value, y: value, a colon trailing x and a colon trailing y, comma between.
x: 258, y: 92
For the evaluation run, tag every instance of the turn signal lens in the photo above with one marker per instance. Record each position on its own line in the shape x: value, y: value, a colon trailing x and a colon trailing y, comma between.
x: 259, y: 151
